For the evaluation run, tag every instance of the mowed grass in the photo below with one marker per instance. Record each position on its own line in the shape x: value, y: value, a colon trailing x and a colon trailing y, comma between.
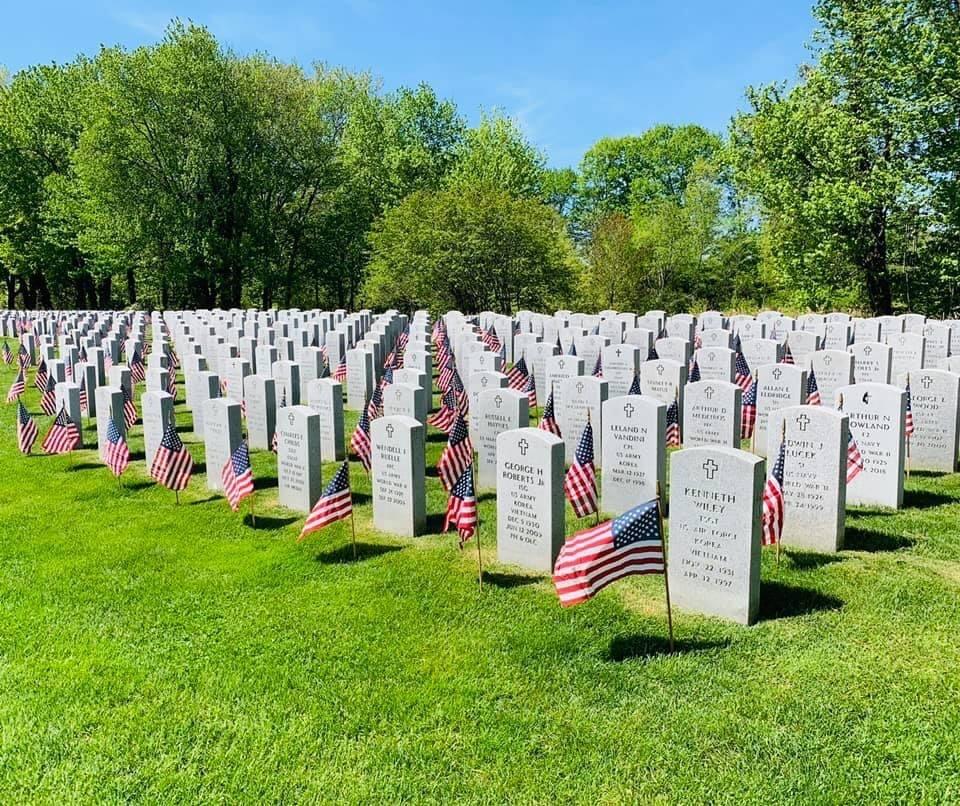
x: 159, y: 652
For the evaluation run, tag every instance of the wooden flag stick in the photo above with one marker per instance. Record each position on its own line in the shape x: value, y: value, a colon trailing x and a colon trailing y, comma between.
x: 353, y: 531
x: 666, y: 580
x: 177, y: 494
x: 476, y: 496
x: 783, y: 438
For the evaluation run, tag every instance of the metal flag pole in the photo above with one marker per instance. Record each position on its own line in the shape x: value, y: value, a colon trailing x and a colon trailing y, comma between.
x: 666, y: 578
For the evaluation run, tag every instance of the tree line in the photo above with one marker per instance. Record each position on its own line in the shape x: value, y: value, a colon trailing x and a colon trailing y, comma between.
x: 183, y: 174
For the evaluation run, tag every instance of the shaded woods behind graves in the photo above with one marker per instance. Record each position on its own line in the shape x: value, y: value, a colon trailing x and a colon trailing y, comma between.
x: 183, y: 174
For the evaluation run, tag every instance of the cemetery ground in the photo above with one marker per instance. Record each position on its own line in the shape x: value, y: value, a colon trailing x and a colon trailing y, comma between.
x: 165, y: 652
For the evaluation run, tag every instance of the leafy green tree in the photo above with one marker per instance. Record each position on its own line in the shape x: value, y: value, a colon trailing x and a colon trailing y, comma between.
x: 848, y: 163
x: 496, y: 154
x: 472, y: 248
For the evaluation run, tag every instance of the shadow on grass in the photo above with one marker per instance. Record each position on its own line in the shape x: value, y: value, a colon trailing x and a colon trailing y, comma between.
x: 500, y: 579
x: 808, y: 560
x: 778, y: 600
x: 264, y: 482
x: 857, y: 539
x: 365, y: 551
x: 489, y: 495
x: 267, y: 521
x: 84, y: 466
x: 436, y: 436
x: 137, y: 456
x: 139, y: 485
x: 924, y: 499
x: 627, y: 647
x: 199, y: 467
x: 206, y: 500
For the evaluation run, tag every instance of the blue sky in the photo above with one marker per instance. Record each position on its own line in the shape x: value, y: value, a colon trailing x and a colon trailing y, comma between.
x: 569, y: 72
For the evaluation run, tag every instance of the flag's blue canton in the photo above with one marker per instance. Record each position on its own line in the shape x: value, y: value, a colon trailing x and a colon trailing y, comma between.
x: 113, y: 433
x: 778, y: 467
x: 240, y: 459
x: 171, y: 439
x: 457, y: 383
x: 695, y: 372
x: 464, y: 486
x: 673, y: 417
x: 585, y: 448
x: 742, y: 367
x: 635, y: 386
x: 459, y: 432
x: 339, y: 483
x: 573, y: 349
x: 638, y: 524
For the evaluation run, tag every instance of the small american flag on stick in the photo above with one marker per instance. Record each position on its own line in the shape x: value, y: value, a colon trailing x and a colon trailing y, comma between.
x: 26, y: 429
x: 334, y: 504
x: 462, y: 507
x: 237, y: 476
x: 594, y: 558
x: 360, y: 441
x: 772, y: 519
x: 457, y: 456
x: 548, y: 422
x: 172, y: 465
x: 17, y: 387
x: 63, y: 436
x: 117, y: 454
x: 580, y: 483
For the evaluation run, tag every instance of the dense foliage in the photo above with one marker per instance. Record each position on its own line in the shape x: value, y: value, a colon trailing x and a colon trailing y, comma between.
x: 184, y: 174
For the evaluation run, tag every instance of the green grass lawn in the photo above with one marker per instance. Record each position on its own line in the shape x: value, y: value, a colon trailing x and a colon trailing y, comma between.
x: 156, y: 652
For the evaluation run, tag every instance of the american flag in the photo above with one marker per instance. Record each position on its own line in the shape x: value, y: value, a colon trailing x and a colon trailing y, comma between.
x: 772, y: 519
x: 223, y: 387
x: 908, y: 423
x: 7, y: 354
x: 694, y: 374
x: 17, y: 387
x: 172, y: 464
x: 117, y: 454
x: 26, y: 429
x: 236, y: 475
x: 743, y: 377
x: 401, y: 344
x: 490, y: 339
x: 63, y: 435
x: 341, y: 373
x: 387, y: 378
x: 635, y: 385
x: 137, y: 372
x: 598, y: 367
x: 462, y: 507
x: 748, y: 412
x: 172, y: 357
x: 447, y: 371
x: 672, y: 434
x: 23, y: 356
x: 457, y: 456
x: 360, y: 441
x: 594, y: 558
x: 580, y: 483
x: 375, y: 404
x: 129, y: 408
x: 854, y: 459
x: 48, y: 400
x: 549, y: 420
x: 443, y: 418
x: 787, y: 355
x: 517, y: 376
x: 40, y: 378
x: 335, y: 504
x: 172, y: 383
x: 324, y: 368
x: 697, y: 341
x: 84, y: 397
x: 573, y: 348
x: 813, y: 391
x: 107, y: 361
x: 652, y: 354
x: 463, y: 399
x: 531, y: 390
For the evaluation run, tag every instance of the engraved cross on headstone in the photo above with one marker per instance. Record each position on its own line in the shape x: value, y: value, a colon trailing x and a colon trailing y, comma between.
x: 389, y: 430
x: 867, y: 350
x: 660, y: 369
x: 628, y: 410
x: 580, y: 388
x: 711, y: 467
x: 803, y: 421
x: 498, y: 401
x: 926, y: 380
x: 708, y: 392
x: 523, y: 445
x: 777, y: 372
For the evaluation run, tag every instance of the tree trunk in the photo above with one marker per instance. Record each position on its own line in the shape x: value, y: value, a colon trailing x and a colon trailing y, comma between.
x: 11, y: 290
x: 104, y: 293
x: 875, y: 265
x: 131, y: 286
